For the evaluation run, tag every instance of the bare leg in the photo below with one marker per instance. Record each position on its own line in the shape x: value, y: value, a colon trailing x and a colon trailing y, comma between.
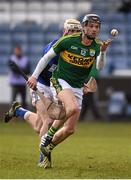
x: 43, y: 115
x: 34, y: 120
x: 69, y: 100
x: 67, y: 129
x: 72, y: 112
x: 72, y: 115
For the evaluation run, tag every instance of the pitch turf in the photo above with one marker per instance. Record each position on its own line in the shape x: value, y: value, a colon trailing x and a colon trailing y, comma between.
x: 97, y: 150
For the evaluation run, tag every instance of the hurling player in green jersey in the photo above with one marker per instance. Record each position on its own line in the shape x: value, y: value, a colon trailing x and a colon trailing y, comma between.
x: 77, y: 54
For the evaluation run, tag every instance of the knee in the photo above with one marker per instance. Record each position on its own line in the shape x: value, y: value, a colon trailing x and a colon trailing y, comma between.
x: 71, y: 110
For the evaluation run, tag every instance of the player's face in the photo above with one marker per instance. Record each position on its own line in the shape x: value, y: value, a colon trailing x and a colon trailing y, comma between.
x: 17, y: 51
x: 91, y: 30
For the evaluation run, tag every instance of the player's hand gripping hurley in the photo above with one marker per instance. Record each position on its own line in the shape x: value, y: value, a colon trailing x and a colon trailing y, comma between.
x: 21, y: 72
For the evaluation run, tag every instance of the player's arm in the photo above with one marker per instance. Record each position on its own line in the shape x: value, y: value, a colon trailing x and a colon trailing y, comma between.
x: 40, y: 67
x: 56, y: 48
x: 101, y: 59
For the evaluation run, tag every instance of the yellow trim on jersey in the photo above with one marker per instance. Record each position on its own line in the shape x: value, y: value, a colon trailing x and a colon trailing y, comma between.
x: 77, y: 60
x: 98, y: 41
x: 65, y: 37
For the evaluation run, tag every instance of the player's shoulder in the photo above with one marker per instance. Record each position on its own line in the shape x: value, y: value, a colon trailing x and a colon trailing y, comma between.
x: 98, y: 41
x: 66, y: 39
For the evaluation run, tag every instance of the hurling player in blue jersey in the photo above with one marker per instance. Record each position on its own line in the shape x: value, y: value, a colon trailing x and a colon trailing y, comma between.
x: 40, y: 121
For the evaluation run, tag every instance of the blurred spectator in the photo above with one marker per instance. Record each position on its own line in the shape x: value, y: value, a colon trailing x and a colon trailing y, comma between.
x: 17, y: 82
x: 125, y: 6
x: 89, y: 100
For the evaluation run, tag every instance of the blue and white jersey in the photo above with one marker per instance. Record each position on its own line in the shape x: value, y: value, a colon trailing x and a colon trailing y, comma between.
x: 44, y: 77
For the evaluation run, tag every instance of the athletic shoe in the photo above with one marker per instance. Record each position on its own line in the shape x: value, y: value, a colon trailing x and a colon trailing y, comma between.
x: 45, y: 140
x: 45, y: 145
x: 12, y: 112
x: 46, y: 163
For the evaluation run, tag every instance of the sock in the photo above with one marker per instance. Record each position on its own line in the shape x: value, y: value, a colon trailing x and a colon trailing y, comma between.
x: 20, y: 112
x: 52, y: 131
x: 51, y: 146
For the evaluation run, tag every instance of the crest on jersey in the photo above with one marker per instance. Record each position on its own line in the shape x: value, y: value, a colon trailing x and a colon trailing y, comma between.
x: 92, y: 52
x: 83, y: 52
x: 74, y: 47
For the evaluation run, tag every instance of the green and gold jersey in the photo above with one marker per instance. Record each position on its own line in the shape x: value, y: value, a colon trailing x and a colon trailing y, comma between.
x: 75, y: 59
x: 94, y: 72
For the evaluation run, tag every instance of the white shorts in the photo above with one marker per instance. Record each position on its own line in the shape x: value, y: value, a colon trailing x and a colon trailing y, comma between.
x: 78, y: 92
x: 43, y: 89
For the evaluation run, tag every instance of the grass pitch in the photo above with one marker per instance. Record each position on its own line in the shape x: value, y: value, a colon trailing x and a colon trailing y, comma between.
x: 97, y: 150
